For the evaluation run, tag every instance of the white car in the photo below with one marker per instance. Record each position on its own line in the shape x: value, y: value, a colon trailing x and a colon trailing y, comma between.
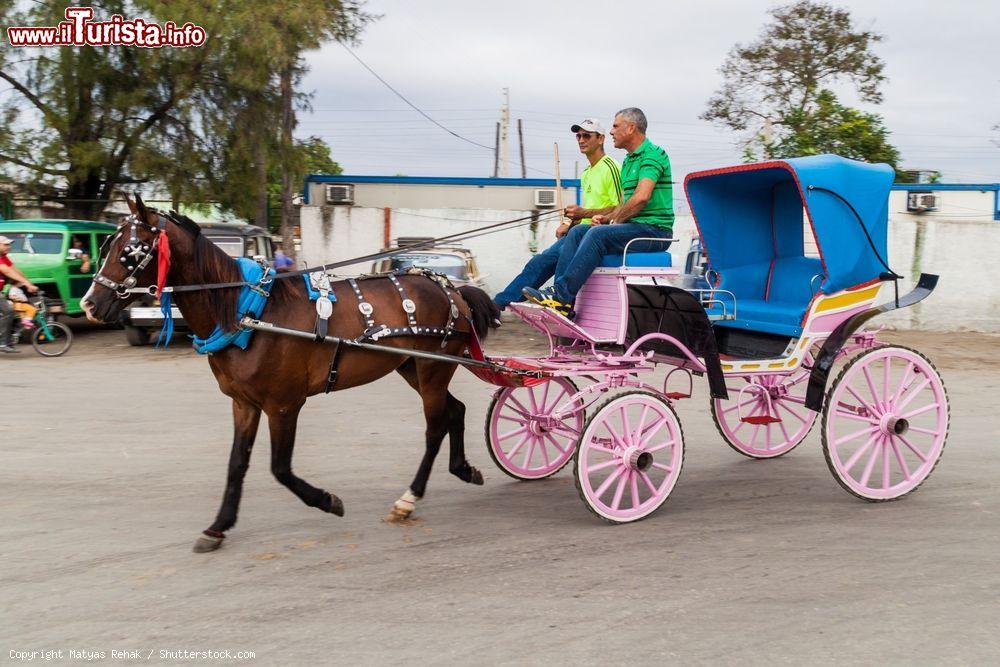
x: 456, y: 262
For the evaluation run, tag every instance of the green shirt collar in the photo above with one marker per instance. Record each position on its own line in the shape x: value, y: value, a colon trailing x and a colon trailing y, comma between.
x: 642, y: 147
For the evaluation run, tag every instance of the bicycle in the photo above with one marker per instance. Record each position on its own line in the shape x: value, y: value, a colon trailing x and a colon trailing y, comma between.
x: 48, y: 337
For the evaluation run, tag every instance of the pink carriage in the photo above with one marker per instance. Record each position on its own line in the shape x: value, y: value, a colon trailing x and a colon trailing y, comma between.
x: 796, y: 253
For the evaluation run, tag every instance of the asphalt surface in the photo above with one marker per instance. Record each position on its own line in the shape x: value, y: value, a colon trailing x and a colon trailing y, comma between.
x: 114, y: 459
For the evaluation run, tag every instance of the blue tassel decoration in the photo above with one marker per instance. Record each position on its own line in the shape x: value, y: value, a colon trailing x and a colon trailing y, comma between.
x: 167, y: 330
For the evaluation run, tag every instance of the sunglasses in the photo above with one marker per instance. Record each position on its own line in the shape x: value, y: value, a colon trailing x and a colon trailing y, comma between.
x: 584, y: 135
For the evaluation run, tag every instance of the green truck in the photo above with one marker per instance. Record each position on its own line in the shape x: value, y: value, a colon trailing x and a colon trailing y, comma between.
x: 51, y: 254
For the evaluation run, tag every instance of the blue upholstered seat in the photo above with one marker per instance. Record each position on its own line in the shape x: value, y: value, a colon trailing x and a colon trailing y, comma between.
x: 772, y: 298
x: 638, y: 259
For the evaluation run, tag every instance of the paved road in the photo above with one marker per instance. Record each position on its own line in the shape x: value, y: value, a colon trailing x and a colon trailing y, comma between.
x: 114, y: 458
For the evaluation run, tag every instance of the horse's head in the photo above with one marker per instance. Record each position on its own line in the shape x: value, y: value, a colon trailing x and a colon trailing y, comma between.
x: 136, y: 260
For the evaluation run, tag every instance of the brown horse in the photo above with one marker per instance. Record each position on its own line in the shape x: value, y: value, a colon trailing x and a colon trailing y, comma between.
x: 276, y: 373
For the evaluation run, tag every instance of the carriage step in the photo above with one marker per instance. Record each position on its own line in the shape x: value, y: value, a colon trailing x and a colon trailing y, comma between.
x: 676, y: 395
x: 760, y: 420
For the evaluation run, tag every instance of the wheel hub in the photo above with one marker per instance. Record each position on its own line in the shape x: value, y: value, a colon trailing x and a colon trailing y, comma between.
x: 891, y: 425
x: 636, y: 459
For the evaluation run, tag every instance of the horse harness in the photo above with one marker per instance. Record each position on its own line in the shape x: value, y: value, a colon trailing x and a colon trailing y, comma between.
x: 374, y: 332
x: 135, y: 256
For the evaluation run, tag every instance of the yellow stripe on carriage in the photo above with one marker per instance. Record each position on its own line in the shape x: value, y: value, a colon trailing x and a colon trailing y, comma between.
x: 848, y: 299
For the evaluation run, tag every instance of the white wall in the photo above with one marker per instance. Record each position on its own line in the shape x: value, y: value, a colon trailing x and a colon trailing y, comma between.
x: 952, y: 205
x: 332, y: 233
x: 963, y: 251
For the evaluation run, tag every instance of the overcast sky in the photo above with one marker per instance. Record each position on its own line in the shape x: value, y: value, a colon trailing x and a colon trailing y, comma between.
x: 564, y: 61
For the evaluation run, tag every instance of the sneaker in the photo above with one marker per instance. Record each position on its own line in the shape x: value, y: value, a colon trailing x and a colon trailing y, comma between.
x: 547, y: 298
x: 9, y: 350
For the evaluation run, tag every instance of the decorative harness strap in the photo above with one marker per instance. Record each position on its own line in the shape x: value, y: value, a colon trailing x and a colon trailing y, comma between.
x: 320, y: 282
x: 409, y: 307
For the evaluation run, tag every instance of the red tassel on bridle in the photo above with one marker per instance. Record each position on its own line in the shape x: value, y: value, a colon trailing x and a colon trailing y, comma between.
x: 162, y: 262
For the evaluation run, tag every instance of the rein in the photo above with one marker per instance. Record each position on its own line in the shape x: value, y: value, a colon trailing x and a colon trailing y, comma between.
x: 127, y: 286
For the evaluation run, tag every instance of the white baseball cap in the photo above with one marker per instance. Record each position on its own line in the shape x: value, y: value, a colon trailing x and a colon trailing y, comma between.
x: 588, y: 125
x: 5, y: 241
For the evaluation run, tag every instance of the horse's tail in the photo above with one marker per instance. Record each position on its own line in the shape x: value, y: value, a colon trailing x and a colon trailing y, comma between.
x: 485, y: 313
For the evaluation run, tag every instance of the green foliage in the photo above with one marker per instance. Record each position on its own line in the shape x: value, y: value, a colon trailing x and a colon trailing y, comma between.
x: 830, y: 127
x: 776, y: 89
x: 312, y: 156
x: 201, y: 122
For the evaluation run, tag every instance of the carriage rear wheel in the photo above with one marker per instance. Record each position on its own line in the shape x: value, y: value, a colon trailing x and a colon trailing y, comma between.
x: 523, y: 437
x: 629, y: 457
x: 52, y: 341
x: 885, y: 423
x: 765, y: 415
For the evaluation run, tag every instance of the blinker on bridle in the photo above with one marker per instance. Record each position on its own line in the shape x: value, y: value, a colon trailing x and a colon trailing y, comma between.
x: 135, y: 256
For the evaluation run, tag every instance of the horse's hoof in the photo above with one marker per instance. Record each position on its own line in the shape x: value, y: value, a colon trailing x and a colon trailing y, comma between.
x: 332, y: 504
x: 476, y: 478
x: 206, y: 543
x: 397, y: 515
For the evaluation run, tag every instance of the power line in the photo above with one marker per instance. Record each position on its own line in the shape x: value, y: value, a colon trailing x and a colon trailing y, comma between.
x: 420, y: 111
x: 412, y: 105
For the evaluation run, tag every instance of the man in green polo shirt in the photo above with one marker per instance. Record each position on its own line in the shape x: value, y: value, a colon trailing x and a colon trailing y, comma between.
x: 600, y: 192
x: 647, y: 212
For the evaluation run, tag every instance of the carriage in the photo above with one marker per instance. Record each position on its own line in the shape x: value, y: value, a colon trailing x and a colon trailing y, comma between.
x: 796, y: 266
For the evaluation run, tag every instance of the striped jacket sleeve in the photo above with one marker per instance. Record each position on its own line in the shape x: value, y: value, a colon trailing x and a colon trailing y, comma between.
x: 612, y: 181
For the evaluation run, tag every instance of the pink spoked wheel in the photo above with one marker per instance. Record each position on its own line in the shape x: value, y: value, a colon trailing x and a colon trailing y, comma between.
x: 523, y: 437
x: 629, y: 457
x: 765, y: 415
x: 885, y: 423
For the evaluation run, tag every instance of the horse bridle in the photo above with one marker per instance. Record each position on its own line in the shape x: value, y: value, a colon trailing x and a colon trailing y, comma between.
x: 135, y: 257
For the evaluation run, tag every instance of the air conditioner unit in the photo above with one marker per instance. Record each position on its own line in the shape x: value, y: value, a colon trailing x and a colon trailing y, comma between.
x: 340, y: 194
x: 919, y: 202
x: 545, y: 198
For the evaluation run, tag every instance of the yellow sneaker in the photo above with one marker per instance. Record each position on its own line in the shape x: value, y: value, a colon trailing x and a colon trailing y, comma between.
x: 547, y: 298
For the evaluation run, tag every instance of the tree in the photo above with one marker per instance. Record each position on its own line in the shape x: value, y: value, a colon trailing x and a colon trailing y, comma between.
x: 312, y: 156
x: 830, y: 127
x: 81, y: 121
x: 777, y: 87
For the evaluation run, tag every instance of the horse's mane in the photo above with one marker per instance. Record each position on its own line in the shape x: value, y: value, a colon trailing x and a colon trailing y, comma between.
x: 217, y: 267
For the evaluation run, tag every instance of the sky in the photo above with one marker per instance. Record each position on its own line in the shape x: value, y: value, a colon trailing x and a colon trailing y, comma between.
x: 566, y: 61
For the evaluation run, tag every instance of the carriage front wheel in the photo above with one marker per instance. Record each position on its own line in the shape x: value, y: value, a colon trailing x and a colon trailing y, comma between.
x: 524, y: 437
x: 765, y: 415
x: 629, y: 457
x: 885, y: 423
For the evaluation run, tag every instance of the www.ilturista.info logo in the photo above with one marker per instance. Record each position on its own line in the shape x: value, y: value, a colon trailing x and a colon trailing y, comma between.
x: 80, y: 30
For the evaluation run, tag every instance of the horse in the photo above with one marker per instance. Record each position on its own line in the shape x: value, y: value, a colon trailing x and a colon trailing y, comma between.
x: 276, y: 373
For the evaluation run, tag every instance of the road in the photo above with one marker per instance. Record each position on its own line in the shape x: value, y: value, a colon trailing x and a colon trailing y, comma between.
x: 114, y: 459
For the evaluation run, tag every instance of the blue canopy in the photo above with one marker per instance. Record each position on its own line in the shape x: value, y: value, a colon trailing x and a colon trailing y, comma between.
x: 752, y: 214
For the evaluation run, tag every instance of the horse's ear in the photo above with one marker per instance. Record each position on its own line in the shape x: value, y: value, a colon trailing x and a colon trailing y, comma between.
x: 140, y: 208
x: 131, y: 204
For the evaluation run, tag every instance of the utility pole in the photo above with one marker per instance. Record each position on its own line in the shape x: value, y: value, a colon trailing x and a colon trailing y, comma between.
x: 504, y: 128
x: 496, y: 152
x: 520, y: 139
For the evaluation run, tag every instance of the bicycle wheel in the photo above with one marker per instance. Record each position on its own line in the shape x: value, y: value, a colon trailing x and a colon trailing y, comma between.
x: 52, y: 340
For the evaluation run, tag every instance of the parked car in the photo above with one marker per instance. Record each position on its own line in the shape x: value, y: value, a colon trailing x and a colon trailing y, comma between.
x: 44, y: 250
x: 454, y: 261
x: 143, y: 319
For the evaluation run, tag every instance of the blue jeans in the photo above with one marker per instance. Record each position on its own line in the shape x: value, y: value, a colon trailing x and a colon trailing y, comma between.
x: 539, y: 268
x: 582, y: 252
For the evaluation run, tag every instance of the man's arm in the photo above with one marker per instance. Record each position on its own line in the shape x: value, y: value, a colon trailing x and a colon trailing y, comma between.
x: 574, y: 212
x: 15, y: 275
x: 632, y: 207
